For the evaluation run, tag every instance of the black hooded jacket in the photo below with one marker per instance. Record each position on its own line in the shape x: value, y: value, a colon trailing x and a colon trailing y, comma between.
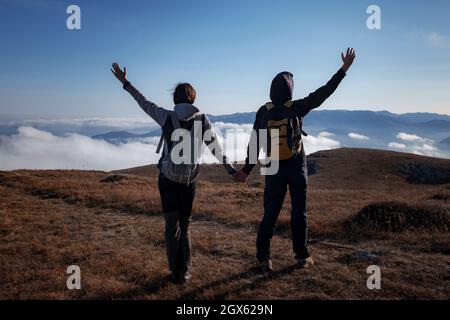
x: 281, y: 92
x: 282, y: 88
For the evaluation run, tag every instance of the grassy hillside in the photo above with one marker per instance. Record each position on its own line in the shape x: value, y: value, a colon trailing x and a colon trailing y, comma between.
x: 365, y: 207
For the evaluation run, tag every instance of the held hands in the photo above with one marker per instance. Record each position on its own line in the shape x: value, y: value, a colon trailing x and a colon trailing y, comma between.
x: 120, y: 75
x: 348, y: 58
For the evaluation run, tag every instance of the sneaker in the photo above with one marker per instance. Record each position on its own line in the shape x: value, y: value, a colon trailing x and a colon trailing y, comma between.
x: 266, y: 266
x: 185, y: 277
x: 304, y: 263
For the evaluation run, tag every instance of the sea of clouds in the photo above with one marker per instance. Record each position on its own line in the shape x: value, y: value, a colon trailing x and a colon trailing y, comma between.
x: 47, y: 145
x: 33, y: 148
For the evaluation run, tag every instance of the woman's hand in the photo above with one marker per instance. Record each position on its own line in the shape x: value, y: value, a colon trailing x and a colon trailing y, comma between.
x: 121, y: 75
x: 348, y: 58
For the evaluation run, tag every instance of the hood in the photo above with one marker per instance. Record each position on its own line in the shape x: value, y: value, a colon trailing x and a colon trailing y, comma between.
x: 282, y: 87
x: 185, y: 111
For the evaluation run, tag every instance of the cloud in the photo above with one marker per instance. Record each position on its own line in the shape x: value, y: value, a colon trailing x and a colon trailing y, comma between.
x: 418, y: 145
x: 222, y: 125
x: 122, y: 123
x: 426, y: 150
x: 235, y: 137
x: 358, y: 136
x: 409, y: 137
x: 396, y: 145
x: 85, y: 126
x: 433, y: 38
x: 32, y: 148
x: 326, y: 134
x: 313, y: 144
x: 438, y: 40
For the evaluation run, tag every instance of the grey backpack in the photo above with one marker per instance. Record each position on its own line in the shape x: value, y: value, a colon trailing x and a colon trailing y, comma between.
x: 184, y: 173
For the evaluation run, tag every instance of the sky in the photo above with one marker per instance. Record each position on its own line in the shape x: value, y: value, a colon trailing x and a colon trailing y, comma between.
x: 229, y: 50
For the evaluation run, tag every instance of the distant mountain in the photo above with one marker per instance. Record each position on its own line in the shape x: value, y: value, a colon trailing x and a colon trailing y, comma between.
x: 116, y: 135
x: 445, y: 144
x: 446, y: 141
x: 125, y: 136
x: 331, y: 117
x: 381, y: 127
x: 417, y: 117
x: 239, y: 118
x: 443, y: 125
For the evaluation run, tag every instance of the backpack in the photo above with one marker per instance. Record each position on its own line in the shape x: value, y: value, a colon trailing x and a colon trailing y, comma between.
x: 184, y: 173
x: 285, y: 129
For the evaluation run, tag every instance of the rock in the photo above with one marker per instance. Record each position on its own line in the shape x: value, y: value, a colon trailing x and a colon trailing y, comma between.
x: 399, y: 217
x: 364, y: 255
x: 313, y: 167
x: 422, y: 173
x: 358, y: 256
x: 114, y: 178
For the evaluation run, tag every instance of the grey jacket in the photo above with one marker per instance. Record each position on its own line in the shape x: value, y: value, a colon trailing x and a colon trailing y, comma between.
x: 185, y: 112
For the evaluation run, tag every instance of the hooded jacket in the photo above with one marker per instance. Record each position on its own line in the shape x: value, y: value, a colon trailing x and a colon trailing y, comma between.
x: 185, y: 112
x: 280, y: 92
x: 282, y: 88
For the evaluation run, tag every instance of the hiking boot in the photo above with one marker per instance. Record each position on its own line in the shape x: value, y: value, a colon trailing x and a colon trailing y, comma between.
x: 304, y: 262
x: 265, y: 266
x: 185, y: 277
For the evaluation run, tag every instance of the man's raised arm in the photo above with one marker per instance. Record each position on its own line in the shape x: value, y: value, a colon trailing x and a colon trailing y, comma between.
x: 303, y: 106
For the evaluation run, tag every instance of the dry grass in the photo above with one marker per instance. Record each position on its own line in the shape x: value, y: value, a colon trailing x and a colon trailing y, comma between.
x: 114, y: 231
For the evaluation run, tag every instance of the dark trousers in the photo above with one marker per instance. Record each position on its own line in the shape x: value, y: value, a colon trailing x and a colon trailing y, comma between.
x: 292, y: 173
x: 177, y: 200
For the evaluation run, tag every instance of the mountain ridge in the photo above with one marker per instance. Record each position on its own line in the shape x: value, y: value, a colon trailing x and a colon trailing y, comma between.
x: 381, y: 126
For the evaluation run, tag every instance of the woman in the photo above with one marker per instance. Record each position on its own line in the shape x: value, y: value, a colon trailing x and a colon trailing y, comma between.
x: 177, y: 180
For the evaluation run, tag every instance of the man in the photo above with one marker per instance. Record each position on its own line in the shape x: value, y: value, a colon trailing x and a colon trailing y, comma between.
x: 283, y: 119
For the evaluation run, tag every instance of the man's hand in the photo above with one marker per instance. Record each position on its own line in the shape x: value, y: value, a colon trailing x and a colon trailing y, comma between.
x: 348, y: 58
x: 121, y: 75
x: 240, y: 176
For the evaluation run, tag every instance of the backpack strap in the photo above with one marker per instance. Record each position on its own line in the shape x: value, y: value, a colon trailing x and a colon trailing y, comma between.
x: 269, y: 105
x: 160, y: 143
x: 175, y: 124
x: 199, y: 117
x: 287, y: 104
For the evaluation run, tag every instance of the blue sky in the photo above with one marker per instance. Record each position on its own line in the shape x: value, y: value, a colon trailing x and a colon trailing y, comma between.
x: 229, y: 50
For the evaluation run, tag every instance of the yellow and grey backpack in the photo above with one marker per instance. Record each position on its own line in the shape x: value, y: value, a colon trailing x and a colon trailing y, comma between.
x: 285, y: 131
